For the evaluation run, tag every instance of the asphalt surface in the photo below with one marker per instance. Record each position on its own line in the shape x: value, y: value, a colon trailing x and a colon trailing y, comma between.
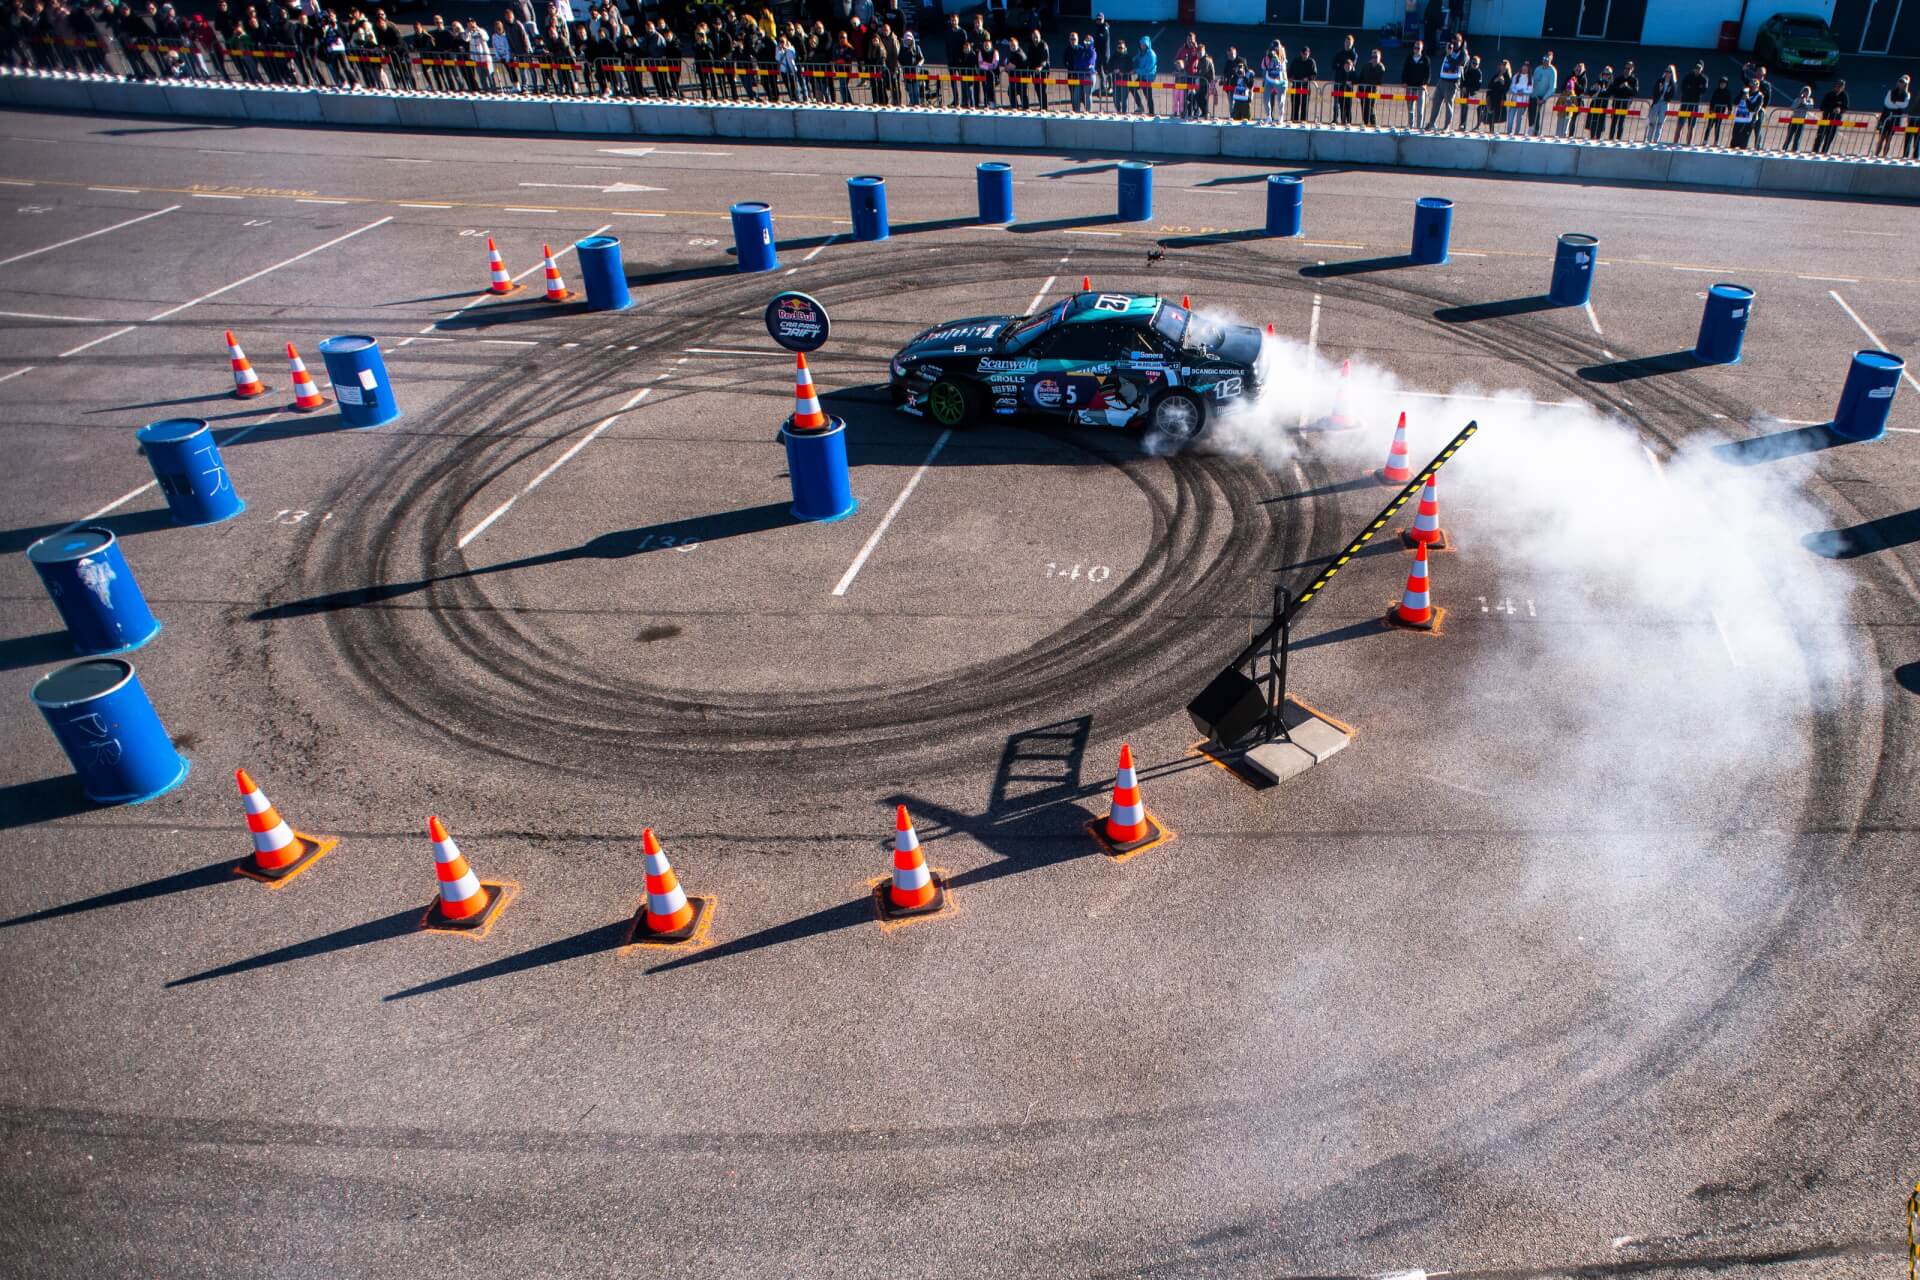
x: 1592, y: 954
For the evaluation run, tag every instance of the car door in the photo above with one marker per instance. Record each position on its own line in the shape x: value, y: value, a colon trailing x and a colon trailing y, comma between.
x: 1073, y: 360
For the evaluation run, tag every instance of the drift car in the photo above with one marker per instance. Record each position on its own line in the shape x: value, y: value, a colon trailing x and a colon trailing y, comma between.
x: 1097, y: 359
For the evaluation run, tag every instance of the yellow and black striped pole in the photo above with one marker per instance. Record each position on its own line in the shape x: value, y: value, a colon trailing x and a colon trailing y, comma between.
x: 1913, y: 1239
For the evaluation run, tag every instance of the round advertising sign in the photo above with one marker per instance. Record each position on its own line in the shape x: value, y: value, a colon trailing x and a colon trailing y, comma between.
x: 798, y: 322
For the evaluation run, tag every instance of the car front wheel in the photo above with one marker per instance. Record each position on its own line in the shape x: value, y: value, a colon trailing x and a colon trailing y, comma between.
x: 950, y: 403
x: 1177, y: 416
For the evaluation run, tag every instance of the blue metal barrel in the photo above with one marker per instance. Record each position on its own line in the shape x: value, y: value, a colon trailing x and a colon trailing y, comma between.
x: 868, y: 197
x: 753, y: 236
x: 1432, y: 230
x: 603, y: 273
x: 101, y: 717
x: 1136, y: 191
x: 994, y: 183
x: 186, y: 461
x: 1867, y: 398
x: 1573, y: 263
x: 1286, y: 200
x: 360, y: 383
x: 1723, y: 324
x: 90, y: 584
x: 817, y: 469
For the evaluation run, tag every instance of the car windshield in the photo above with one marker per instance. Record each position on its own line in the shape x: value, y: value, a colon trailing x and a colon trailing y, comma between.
x: 1025, y: 330
x: 1805, y: 30
x: 1183, y: 328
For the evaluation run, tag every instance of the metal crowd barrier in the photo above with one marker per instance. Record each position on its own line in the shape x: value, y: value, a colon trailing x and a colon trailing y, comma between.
x: 1596, y: 119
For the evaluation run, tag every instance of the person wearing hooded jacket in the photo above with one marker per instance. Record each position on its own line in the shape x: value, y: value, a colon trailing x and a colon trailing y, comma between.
x: 1146, y: 65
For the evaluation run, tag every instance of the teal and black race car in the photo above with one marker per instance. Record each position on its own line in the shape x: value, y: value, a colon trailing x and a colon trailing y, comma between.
x: 1098, y: 359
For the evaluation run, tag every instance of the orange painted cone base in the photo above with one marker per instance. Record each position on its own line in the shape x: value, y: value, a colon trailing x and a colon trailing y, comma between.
x: 312, y: 849
x: 888, y: 911
x: 694, y: 931
x: 1439, y: 541
x: 1431, y: 627
x: 1122, y: 850
x: 498, y: 892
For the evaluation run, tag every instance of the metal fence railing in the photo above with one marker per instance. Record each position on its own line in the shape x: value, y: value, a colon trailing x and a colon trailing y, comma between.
x: 1592, y: 119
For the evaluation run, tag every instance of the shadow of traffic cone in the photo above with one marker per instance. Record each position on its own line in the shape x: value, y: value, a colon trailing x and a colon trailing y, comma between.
x: 807, y: 414
x: 1343, y: 417
x: 1128, y: 829
x: 1396, y: 471
x: 306, y: 396
x: 1426, y: 522
x: 556, y: 287
x: 498, y: 279
x: 279, y: 852
x: 246, y: 383
x: 466, y: 904
x: 1415, y: 612
x: 669, y: 917
x: 914, y: 890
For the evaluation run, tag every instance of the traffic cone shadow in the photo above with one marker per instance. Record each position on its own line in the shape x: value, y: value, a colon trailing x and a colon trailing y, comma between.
x: 611, y: 936
x: 397, y: 925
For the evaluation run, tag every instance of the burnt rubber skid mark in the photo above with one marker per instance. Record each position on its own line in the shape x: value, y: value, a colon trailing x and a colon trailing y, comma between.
x: 561, y: 711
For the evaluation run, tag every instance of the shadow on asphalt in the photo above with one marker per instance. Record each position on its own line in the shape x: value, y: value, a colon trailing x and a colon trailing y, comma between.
x: 1908, y: 677
x: 123, y: 525
x: 1352, y: 631
x: 1778, y: 445
x: 595, y: 940
x: 1642, y: 367
x: 220, y: 872
x: 1864, y: 539
x: 1358, y: 267
x: 1495, y: 310
x: 44, y: 649
x: 397, y: 925
x: 608, y: 546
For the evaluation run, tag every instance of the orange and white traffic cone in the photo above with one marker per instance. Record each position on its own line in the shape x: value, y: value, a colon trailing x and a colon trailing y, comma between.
x: 499, y: 280
x: 1396, y: 471
x: 279, y: 852
x: 1086, y: 284
x: 669, y: 916
x: 464, y: 903
x: 1184, y: 304
x: 306, y: 396
x: 912, y: 889
x: 246, y: 383
x: 807, y: 414
x: 1415, y: 612
x: 1343, y: 400
x: 556, y: 287
x: 1426, y: 522
x: 1269, y: 328
x: 1128, y: 828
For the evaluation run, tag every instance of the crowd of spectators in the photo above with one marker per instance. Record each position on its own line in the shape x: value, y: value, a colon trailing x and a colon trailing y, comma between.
x: 719, y: 53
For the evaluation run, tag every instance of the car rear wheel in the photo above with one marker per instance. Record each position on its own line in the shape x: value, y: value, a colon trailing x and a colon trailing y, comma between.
x: 951, y: 403
x: 1177, y: 416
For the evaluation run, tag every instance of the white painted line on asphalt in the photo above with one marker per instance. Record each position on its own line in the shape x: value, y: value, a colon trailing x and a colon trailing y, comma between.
x: 782, y: 173
x: 212, y: 195
x: 13, y: 182
x: 1465, y: 253
x: 1726, y: 641
x: 823, y: 244
x: 1609, y: 355
x: 1705, y: 271
x: 859, y: 561
x: 510, y: 342
x: 1594, y: 320
x: 9, y: 377
x: 124, y: 191
x: 35, y: 315
x: 1833, y: 279
x: 216, y: 151
x: 298, y: 257
x: 1115, y: 234
x: 96, y: 342
x: 1330, y: 244
x: 517, y: 209
x: 734, y: 351
x: 1874, y: 337
x: 552, y: 467
x: 1905, y: 431
x: 1044, y: 289
x: 404, y: 160
x: 404, y: 205
x: 316, y: 200
x: 115, y: 505
x: 791, y: 270
x: 90, y: 235
x: 639, y: 215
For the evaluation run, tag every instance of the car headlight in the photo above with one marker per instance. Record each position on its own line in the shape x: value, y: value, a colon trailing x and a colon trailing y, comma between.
x: 899, y: 369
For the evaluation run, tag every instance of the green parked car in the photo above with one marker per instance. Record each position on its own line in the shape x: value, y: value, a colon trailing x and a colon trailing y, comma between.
x: 1796, y: 43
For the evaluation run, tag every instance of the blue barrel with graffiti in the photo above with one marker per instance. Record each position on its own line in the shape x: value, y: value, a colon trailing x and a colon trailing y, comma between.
x: 186, y: 462
x: 1573, y: 262
x: 1136, y: 191
x: 1867, y: 398
x: 90, y: 584
x: 753, y: 236
x: 101, y: 717
x: 993, y: 182
x: 603, y: 273
x: 360, y: 383
x: 867, y: 201
x: 1286, y: 198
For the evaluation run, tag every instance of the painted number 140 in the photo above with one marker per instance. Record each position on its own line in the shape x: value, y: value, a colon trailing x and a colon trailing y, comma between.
x: 1094, y: 573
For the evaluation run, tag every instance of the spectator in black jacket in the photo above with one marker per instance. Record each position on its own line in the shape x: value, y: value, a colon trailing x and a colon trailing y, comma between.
x: 1345, y: 62
x: 1626, y: 87
x: 1039, y: 60
x: 1472, y: 81
x: 1693, y: 91
x: 1719, y: 108
x: 1300, y: 76
x: 1832, y: 107
x: 1416, y: 73
x: 1371, y: 75
x: 1598, y: 102
x: 137, y: 37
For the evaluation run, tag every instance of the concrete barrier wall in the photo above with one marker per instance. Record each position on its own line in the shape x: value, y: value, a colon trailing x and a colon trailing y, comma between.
x: 1102, y: 135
